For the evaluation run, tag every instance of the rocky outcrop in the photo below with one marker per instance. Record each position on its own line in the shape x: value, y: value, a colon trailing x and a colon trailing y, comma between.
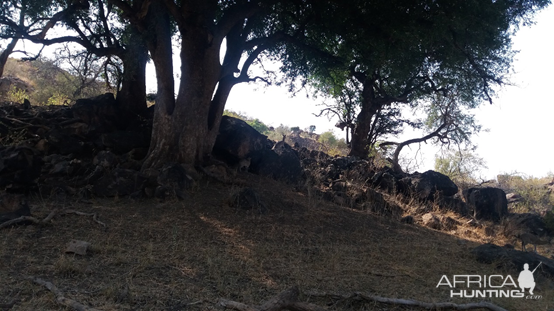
x: 281, y: 163
x: 513, y: 259
x: 427, y: 184
x: 237, y: 140
x: 487, y: 203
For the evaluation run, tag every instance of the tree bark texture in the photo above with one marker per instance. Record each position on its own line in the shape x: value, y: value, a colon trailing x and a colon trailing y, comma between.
x: 6, y: 54
x: 364, y: 120
x: 183, y: 130
x: 132, y: 95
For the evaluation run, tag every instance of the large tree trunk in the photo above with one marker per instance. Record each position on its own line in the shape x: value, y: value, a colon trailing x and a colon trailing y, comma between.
x: 181, y: 131
x: 370, y: 106
x: 6, y: 54
x: 132, y: 95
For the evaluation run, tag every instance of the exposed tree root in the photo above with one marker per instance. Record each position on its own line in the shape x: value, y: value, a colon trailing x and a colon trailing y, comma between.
x: 409, y: 302
x: 288, y: 300
x: 94, y: 215
x: 49, y: 218
x: 60, y: 298
x: 20, y: 220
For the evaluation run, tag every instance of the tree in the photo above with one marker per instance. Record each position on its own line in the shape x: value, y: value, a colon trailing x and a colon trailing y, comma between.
x: 462, y: 166
x: 17, y: 16
x: 447, y: 122
x: 96, y: 28
x: 185, y: 126
x: 403, y: 52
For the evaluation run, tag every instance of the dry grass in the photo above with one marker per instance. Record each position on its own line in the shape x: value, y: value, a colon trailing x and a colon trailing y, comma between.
x: 188, y: 254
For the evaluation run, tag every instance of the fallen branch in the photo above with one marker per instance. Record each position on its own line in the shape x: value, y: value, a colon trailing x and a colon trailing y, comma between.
x: 49, y: 217
x: 19, y: 220
x: 60, y: 298
x: 287, y: 300
x: 409, y: 302
x: 94, y: 215
x: 8, y: 305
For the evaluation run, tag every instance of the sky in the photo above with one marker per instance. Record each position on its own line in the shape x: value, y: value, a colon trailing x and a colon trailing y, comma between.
x: 519, y: 122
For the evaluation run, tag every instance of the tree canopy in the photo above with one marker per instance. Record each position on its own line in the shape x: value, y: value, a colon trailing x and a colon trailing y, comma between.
x: 381, y: 54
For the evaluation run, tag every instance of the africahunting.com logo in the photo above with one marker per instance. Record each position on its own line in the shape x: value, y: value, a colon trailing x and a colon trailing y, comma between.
x: 491, y: 286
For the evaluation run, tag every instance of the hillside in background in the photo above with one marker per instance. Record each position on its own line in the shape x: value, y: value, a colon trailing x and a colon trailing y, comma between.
x: 43, y: 82
x: 186, y: 237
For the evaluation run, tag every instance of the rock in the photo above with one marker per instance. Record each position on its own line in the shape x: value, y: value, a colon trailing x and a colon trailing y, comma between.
x: 281, y: 163
x: 377, y: 204
x: 7, y: 83
x: 105, y: 159
x: 173, y: 180
x: 526, y: 222
x: 247, y: 199
x: 20, y: 167
x: 386, y: 180
x: 407, y: 219
x: 12, y: 207
x: 237, y: 140
x: 454, y: 204
x: 439, y: 222
x: 120, y: 142
x: 511, y: 258
x: 487, y: 203
x: 513, y: 198
x: 119, y: 182
x: 64, y: 143
x: 77, y: 247
x: 431, y: 221
x: 425, y: 185
x: 100, y: 113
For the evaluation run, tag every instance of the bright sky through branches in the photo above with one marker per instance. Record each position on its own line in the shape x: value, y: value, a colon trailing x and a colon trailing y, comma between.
x: 520, y: 121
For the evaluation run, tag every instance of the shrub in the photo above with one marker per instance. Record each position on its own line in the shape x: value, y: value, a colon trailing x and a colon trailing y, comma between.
x: 16, y: 95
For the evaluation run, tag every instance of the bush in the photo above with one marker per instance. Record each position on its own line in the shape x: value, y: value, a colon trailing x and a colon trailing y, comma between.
x: 537, y: 198
x: 16, y: 95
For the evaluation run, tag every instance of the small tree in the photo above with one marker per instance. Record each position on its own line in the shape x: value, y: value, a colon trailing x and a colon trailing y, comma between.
x: 462, y: 166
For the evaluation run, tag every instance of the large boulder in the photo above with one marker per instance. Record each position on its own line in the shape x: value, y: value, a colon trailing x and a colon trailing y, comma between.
x: 487, y: 203
x: 20, y: 167
x: 100, y: 113
x: 514, y: 259
x: 281, y: 163
x: 237, y: 140
x: 425, y: 185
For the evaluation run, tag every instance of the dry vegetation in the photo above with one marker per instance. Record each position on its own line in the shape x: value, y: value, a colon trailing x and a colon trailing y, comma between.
x: 188, y: 254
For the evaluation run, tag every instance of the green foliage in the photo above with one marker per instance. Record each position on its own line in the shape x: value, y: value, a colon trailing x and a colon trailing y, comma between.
x: 258, y: 126
x: 375, y: 54
x: 333, y: 145
x: 279, y: 132
x: 58, y: 99
x: 255, y: 123
x: 537, y: 198
x: 328, y: 138
x: 462, y: 166
x: 52, y: 85
x: 16, y: 95
x: 311, y: 129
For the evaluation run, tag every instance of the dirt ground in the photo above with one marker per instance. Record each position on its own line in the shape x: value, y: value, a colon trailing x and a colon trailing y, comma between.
x: 186, y: 255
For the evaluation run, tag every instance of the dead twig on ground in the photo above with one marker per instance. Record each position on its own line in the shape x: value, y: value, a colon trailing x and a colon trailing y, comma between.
x: 408, y: 302
x: 20, y: 220
x: 49, y: 218
x: 94, y: 215
x: 287, y: 300
x: 60, y: 298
